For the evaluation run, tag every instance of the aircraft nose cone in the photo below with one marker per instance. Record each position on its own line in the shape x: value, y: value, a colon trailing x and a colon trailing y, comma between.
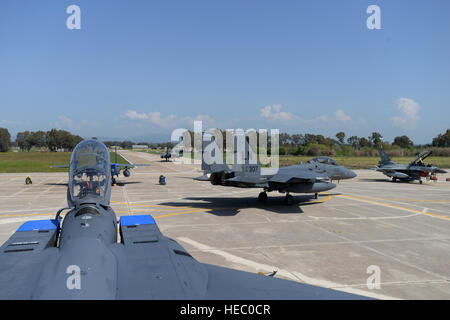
x: 349, y: 174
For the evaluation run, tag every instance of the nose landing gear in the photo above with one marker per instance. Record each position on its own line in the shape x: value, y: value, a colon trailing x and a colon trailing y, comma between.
x: 288, y: 200
x: 262, y: 197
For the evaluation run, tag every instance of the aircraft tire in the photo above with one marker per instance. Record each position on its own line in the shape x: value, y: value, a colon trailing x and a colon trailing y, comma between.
x: 288, y: 200
x: 262, y: 197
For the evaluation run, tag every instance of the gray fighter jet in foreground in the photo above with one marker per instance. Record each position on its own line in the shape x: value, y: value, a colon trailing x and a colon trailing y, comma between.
x: 415, y: 170
x: 81, y: 258
x: 309, y: 177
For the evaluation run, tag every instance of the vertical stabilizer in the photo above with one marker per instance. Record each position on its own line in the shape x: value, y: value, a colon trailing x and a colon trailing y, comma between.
x: 245, y: 161
x: 212, y: 155
x: 384, y: 157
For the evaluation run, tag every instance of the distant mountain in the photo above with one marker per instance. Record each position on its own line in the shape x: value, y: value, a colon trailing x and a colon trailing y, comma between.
x: 150, y: 138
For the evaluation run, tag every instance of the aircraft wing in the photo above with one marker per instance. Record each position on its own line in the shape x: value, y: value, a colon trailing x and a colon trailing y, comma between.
x: 144, y: 265
x: 297, y: 177
x: 23, y: 256
x: 229, y: 284
x: 248, y: 179
x: 149, y: 253
x: 131, y: 165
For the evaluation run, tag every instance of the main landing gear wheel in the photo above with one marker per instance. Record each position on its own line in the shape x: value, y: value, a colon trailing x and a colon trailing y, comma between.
x: 394, y: 179
x: 420, y: 181
x: 316, y: 196
x: 262, y: 197
x: 288, y: 200
x: 113, y: 181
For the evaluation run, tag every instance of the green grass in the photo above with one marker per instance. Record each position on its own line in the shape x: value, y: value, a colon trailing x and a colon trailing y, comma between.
x: 34, y: 161
x: 120, y: 159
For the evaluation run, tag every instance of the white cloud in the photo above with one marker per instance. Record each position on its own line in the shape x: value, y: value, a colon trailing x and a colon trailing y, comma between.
x: 169, y: 121
x: 341, y: 116
x: 63, y: 122
x: 207, y: 121
x: 274, y: 113
x: 133, y: 115
x: 409, y: 109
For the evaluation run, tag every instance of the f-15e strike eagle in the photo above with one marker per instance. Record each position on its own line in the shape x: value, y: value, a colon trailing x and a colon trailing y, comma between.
x: 415, y: 170
x: 309, y: 177
x: 80, y: 256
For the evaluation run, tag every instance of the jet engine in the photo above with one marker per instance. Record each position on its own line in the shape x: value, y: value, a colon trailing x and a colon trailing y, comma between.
x: 126, y: 173
x: 218, y: 178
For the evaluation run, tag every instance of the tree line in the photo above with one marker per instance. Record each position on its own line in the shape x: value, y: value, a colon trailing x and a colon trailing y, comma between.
x: 290, y: 144
x: 51, y: 140
x: 314, y: 145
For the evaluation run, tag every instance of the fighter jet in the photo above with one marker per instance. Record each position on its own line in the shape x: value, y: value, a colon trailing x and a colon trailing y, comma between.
x: 309, y: 177
x: 167, y: 155
x: 81, y: 256
x: 116, y: 167
x: 415, y: 170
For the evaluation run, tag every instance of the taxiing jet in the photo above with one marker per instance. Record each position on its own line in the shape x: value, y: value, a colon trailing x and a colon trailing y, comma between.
x: 80, y: 255
x: 309, y: 177
x: 415, y: 170
x: 167, y: 155
x: 116, y: 167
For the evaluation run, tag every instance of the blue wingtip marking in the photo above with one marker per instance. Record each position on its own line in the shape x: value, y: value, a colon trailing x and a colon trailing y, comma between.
x: 39, y: 225
x: 136, y: 220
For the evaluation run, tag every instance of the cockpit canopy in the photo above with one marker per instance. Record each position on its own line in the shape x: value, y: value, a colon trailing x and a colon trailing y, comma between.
x: 324, y: 160
x: 90, y: 173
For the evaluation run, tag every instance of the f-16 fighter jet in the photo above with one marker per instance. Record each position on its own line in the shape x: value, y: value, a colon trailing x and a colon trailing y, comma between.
x: 415, y: 170
x: 81, y: 256
x: 310, y: 177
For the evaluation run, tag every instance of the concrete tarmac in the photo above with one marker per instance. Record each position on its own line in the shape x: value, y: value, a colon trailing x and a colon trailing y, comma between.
x: 364, y: 225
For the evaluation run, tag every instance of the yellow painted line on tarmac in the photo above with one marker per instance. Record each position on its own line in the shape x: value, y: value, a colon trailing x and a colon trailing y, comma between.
x: 181, y: 212
x: 150, y: 205
x: 407, y: 200
x: 391, y: 206
x: 156, y: 208
x: 323, y: 200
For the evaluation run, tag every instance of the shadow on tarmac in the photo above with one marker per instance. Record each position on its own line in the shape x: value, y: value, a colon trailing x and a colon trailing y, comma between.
x: 232, y: 206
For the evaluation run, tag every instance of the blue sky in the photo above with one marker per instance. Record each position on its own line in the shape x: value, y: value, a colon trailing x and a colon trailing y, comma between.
x: 136, y: 68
